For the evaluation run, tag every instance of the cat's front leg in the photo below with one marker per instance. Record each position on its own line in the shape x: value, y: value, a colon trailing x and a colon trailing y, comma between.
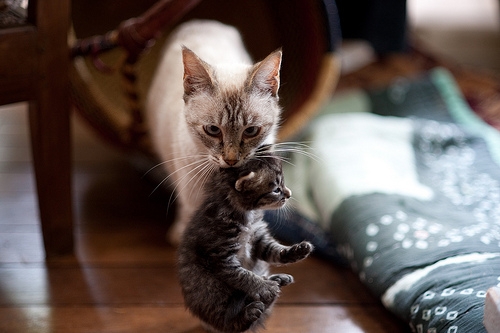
x: 295, y: 252
x: 185, y: 210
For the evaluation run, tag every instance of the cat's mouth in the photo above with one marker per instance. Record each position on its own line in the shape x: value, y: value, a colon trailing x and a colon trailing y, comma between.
x: 229, y: 163
x: 275, y: 205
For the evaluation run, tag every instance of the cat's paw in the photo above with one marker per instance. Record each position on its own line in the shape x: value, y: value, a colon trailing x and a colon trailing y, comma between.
x: 282, y: 279
x: 254, y: 311
x: 269, y: 292
x: 296, y: 252
x: 251, y: 314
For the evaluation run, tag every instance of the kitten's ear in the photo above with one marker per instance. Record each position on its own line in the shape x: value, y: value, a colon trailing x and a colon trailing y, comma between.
x: 197, y: 73
x: 239, y: 183
x: 265, y: 75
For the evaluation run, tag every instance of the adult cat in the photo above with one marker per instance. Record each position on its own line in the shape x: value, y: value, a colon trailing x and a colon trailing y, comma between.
x: 226, y: 250
x: 210, y: 113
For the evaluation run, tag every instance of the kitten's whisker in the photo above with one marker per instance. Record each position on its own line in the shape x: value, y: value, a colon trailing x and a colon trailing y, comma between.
x: 280, y: 217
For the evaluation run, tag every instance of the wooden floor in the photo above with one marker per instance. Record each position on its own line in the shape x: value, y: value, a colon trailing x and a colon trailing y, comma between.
x: 123, y: 277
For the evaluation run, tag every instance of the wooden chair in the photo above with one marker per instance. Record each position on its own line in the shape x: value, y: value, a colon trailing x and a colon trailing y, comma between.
x: 34, y: 64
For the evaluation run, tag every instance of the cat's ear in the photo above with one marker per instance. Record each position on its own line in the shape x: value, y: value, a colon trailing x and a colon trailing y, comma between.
x: 265, y: 75
x: 197, y: 73
x: 239, y: 183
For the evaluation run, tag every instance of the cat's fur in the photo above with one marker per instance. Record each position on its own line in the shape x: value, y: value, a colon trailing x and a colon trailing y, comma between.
x: 209, y: 108
x: 226, y: 249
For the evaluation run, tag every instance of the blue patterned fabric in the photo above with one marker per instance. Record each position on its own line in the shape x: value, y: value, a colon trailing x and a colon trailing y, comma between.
x: 413, y: 207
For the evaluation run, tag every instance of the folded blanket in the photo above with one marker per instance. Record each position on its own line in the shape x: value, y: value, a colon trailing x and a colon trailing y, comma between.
x: 405, y: 188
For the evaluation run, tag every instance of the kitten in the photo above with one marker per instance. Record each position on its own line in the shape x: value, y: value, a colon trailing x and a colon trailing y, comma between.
x: 211, y: 113
x: 226, y: 249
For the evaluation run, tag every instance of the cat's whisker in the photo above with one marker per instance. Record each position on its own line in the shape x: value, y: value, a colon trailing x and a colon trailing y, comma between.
x: 200, y: 156
x: 154, y: 167
x: 282, y: 215
x: 304, y: 144
x: 300, y: 151
x: 204, y: 178
x: 201, y: 173
x: 280, y: 158
x: 195, y: 170
x: 295, y: 147
x: 287, y: 209
x: 171, y: 174
x: 175, y: 193
x: 292, y: 148
x: 201, y: 177
x: 288, y: 148
x: 292, y: 203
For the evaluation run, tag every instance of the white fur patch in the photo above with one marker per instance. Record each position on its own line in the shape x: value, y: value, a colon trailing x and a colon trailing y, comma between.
x: 358, y: 153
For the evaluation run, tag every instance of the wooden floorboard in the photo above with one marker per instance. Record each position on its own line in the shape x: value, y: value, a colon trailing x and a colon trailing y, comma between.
x: 123, y: 276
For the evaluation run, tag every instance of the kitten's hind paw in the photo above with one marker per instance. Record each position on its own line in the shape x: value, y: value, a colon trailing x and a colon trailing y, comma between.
x: 252, y: 315
x: 269, y: 292
x: 282, y: 279
x: 254, y: 311
x: 296, y: 252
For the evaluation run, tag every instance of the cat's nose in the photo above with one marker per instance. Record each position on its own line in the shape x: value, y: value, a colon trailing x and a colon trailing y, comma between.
x: 231, y: 162
x: 231, y: 155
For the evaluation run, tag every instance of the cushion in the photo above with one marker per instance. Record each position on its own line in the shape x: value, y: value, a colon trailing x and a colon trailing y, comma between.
x: 403, y: 186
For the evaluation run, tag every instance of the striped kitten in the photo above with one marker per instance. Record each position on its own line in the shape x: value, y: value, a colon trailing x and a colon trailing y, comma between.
x: 209, y: 107
x: 226, y: 249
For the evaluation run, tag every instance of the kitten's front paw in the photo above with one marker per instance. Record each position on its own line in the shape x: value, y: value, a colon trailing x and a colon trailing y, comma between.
x: 282, y: 279
x: 269, y: 292
x: 296, y: 252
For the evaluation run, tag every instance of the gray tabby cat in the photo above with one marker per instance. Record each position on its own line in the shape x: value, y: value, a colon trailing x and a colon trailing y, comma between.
x: 226, y: 249
x: 209, y: 107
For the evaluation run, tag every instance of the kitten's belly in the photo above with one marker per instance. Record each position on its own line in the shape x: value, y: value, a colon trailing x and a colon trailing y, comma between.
x: 244, y: 255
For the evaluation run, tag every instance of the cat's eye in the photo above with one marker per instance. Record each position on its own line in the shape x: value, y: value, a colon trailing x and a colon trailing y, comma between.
x: 251, y: 131
x: 277, y: 190
x: 212, y: 130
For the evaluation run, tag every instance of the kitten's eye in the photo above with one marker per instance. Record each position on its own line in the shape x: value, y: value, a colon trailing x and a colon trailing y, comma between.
x: 251, y: 131
x: 277, y: 190
x: 212, y: 130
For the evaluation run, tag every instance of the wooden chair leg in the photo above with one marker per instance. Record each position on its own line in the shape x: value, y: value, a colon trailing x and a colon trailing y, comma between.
x: 50, y: 137
x: 50, y: 129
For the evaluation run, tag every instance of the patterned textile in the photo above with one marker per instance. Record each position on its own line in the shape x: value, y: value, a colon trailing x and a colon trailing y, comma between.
x: 12, y: 12
x: 406, y: 189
